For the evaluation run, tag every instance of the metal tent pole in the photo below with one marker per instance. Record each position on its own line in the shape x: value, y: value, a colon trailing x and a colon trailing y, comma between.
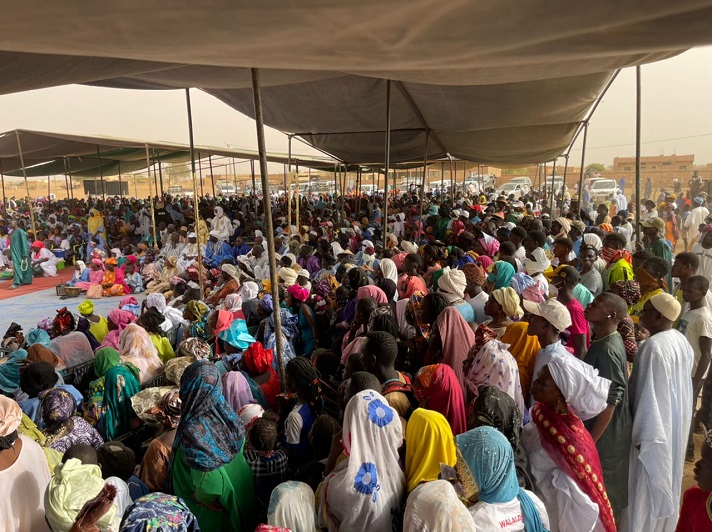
x: 196, y: 210
x: 150, y: 198
x: 288, y: 199
x: 234, y: 174
x: 212, y: 175
x: 287, y: 189
x: 563, y: 190
x: 160, y: 171
x: 200, y: 171
x: 69, y: 173
x: 269, y: 228
x: 552, y: 201
x: 422, y: 187
x: 583, y: 159
x: 252, y: 171
x: 101, y: 174
x: 2, y: 177
x: 387, y: 163
x: 638, y: 107
x: 452, y: 184
x: 27, y: 187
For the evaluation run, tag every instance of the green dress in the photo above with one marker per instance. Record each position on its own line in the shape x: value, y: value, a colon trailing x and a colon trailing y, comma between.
x: 20, y: 255
x: 231, y: 486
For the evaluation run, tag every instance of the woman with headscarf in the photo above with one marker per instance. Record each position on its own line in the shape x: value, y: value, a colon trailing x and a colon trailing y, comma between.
x: 196, y: 314
x: 452, y: 285
x: 164, y: 281
x: 436, y: 387
x: 489, y: 362
x: 152, y: 321
x: 501, y: 275
x: 503, y: 308
x: 487, y: 245
x: 536, y: 266
x: 95, y: 224
x: 62, y: 427
x: 295, y: 301
x: 113, y: 281
x: 98, y: 325
x: 24, y: 474
x: 208, y: 469
x: 154, y: 466
x: 257, y: 365
x: 106, y: 358
x: 36, y: 378
x: 40, y: 353
x: 429, y: 442
x: 136, y: 347
x: 81, y: 274
x: 267, y: 333
x: 411, y: 281
x: 356, y: 279
x: 10, y: 372
x: 172, y: 314
x: 562, y: 455
x: 249, y: 292
x: 44, y: 262
x: 229, y: 283
x: 236, y: 390
x: 502, y: 504
x: 414, y: 328
x: 233, y: 304
x: 435, y: 507
x: 365, y: 491
x: 291, y: 507
x: 388, y: 270
x: 450, y: 342
x: 117, y: 320
x: 159, y: 512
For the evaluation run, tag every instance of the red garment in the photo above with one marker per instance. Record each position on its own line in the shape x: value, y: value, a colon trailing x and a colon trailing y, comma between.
x: 436, y: 388
x: 408, y: 284
x: 258, y: 359
x: 570, y: 446
x: 611, y: 256
x: 696, y: 511
x: 457, y: 337
x: 119, y: 279
x: 579, y: 325
x: 271, y: 387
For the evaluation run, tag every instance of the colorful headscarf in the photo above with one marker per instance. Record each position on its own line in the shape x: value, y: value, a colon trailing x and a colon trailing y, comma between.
x: 10, y: 416
x: 474, y: 273
x: 39, y: 353
x: 58, y: 407
x: 436, y: 388
x: 38, y: 336
x: 121, y: 318
x: 159, y: 512
x: 509, y: 301
x: 10, y: 372
x: 372, y: 291
x: 495, y: 408
x: 197, y: 308
x: 236, y: 390
x: 489, y: 244
x: 121, y: 383
x: 629, y: 290
x: 291, y: 506
x: 257, y: 359
x: 168, y: 409
x: 414, y: 306
x: 86, y: 307
x: 491, y: 460
x: 194, y: 347
x: 237, y: 335
x: 209, y: 433
x: 299, y: 293
x: 502, y: 274
x: 429, y: 443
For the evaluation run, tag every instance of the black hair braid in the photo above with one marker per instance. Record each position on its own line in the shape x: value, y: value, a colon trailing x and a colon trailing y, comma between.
x: 306, y: 378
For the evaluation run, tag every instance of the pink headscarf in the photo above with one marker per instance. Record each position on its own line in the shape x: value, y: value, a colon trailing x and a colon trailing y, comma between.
x: 457, y: 338
x: 372, y: 291
x: 225, y: 318
x: 236, y: 390
x: 489, y: 244
x: 298, y: 292
x: 121, y: 318
x: 99, y: 263
x: 398, y: 260
x: 484, y: 261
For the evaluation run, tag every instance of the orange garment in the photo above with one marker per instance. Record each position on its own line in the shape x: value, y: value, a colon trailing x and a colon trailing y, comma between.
x: 524, y: 349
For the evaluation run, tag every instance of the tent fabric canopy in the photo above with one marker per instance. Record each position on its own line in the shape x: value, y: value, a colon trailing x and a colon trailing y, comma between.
x: 45, y: 154
x: 494, y: 82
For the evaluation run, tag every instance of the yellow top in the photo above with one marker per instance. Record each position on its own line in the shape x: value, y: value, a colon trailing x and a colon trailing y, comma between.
x: 99, y: 329
x: 164, y: 347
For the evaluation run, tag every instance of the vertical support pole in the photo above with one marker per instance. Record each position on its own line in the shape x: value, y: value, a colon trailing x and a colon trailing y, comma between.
x: 150, y: 197
x: 422, y: 187
x: 69, y: 172
x: 200, y: 171
x: 66, y: 177
x: 196, y: 211
x: 564, y: 188
x: 288, y: 199
x: 160, y: 172
x: 101, y: 174
x: 583, y: 159
x: 269, y: 228
x: 552, y: 201
x: 252, y: 171
x: 358, y: 190
x: 212, y: 175
x: 121, y: 192
x: 27, y: 187
x: 452, y: 184
x: 49, y: 189
x: 234, y: 174
x: 387, y: 158
x: 2, y: 177
x: 638, y: 107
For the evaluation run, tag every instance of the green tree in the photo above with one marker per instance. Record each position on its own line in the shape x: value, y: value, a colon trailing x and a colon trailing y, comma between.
x: 595, y: 168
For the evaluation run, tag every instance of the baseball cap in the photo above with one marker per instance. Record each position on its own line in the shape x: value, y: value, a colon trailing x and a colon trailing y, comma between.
x: 552, y: 311
x: 667, y: 305
x: 568, y: 273
x: 654, y: 221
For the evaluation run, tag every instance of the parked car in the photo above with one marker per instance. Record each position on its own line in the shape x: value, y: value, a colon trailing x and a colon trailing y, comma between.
x: 509, y: 189
x: 226, y: 189
x: 178, y: 191
x: 522, y: 180
x: 601, y: 189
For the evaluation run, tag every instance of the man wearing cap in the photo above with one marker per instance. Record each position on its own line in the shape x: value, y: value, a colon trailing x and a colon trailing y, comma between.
x: 564, y: 280
x: 653, y: 230
x: 547, y: 321
x: 697, y: 217
x: 661, y: 403
x: 189, y: 254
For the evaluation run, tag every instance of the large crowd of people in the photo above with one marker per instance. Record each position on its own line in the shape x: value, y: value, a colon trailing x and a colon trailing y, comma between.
x: 475, y: 363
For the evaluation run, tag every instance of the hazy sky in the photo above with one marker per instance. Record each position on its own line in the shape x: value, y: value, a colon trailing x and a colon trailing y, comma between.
x: 677, y: 106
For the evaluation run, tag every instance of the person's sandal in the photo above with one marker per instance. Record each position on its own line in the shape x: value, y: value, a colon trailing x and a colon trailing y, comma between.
x: 13, y: 287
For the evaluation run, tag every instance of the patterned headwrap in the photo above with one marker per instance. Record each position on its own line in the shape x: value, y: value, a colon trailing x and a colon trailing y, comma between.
x: 58, y: 406
x: 474, y: 273
x: 483, y: 335
x: 209, y: 433
x: 629, y: 290
x: 196, y: 308
x: 194, y: 347
x: 414, y: 306
x: 266, y: 303
x: 159, y: 512
x: 168, y: 409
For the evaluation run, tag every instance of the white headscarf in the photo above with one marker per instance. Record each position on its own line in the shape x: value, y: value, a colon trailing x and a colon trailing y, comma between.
x: 292, y: 506
x: 232, y: 303
x: 593, y: 240
x: 365, y: 491
x: 584, y: 391
x: 452, y: 284
x: 82, y: 266
x: 249, y: 291
x: 409, y: 247
x: 288, y: 276
x: 435, y: 507
x: 537, y: 264
x: 389, y: 270
x: 136, y: 347
x: 172, y: 314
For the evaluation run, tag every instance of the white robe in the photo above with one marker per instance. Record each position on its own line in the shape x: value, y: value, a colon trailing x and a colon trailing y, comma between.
x: 694, y: 219
x: 189, y: 256
x: 661, y: 401
x: 49, y: 267
x: 223, y: 226
x: 568, y: 507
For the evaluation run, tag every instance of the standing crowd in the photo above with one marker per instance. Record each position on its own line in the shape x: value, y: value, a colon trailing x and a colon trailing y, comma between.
x: 459, y: 364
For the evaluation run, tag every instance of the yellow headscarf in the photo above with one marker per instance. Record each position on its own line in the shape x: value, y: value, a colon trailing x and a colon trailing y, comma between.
x: 96, y: 222
x: 428, y: 443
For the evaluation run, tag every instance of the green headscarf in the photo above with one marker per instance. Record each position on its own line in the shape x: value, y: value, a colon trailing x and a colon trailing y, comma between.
x: 117, y: 400
x: 105, y: 359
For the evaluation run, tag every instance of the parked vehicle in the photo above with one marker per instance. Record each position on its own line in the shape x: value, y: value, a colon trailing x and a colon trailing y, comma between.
x: 522, y: 180
x: 178, y: 191
x: 227, y: 189
x: 601, y: 189
x: 509, y: 189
